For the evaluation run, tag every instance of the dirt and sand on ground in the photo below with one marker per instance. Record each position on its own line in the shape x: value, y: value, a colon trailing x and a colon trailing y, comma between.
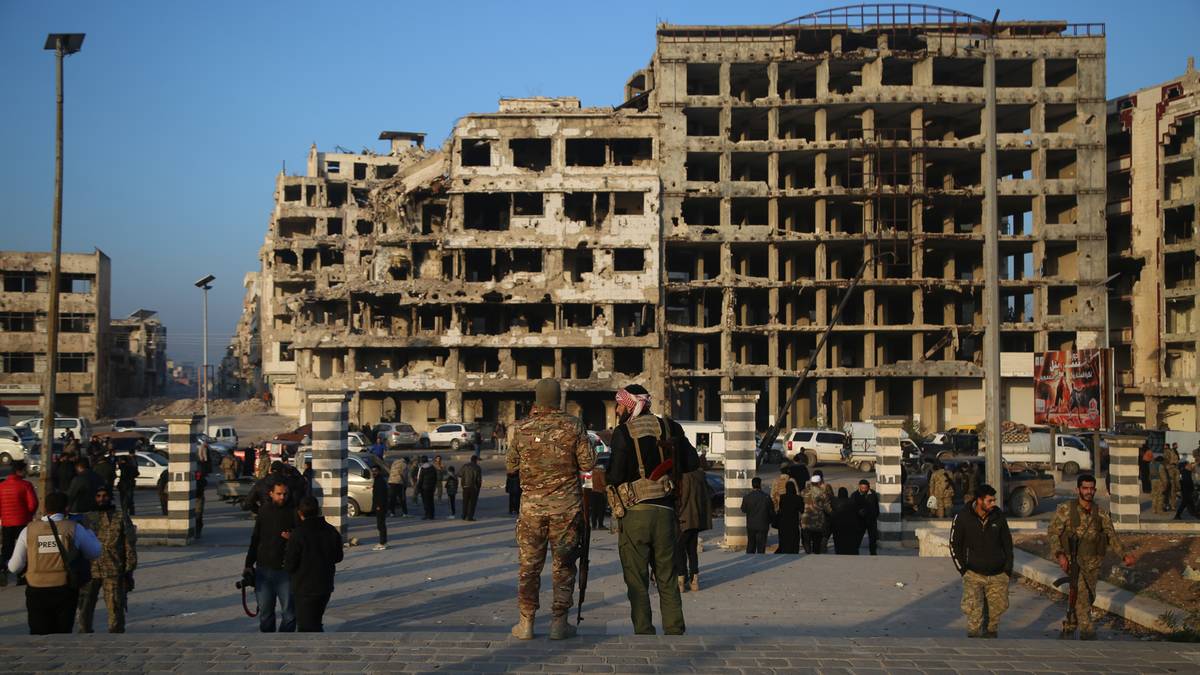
x: 167, y: 407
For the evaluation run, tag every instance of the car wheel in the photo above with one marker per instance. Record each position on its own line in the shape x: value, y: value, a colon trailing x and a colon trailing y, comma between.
x: 944, y: 455
x: 352, y: 509
x: 455, y: 444
x: 1022, y: 503
x: 866, y: 467
x: 5, y: 459
x: 1070, y: 469
x: 810, y: 459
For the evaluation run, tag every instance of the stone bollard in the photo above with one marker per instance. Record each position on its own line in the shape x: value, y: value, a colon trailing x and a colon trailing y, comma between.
x: 330, y: 417
x: 1125, y: 501
x: 887, y: 479
x: 737, y: 416
x: 181, y: 479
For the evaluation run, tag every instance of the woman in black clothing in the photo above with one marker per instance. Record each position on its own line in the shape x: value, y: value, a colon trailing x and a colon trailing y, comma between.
x: 790, y: 507
x: 847, y: 526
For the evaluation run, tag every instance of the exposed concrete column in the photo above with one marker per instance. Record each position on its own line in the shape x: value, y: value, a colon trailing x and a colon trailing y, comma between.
x: 737, y: 416
x: 887, y: 479
x: 1126, y: 491
x: 181, y: 479
x: 329, y: 447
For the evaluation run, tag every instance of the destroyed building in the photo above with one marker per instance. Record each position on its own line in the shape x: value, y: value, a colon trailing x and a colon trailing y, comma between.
x: 138, y: 356
x: 1153, y: 199
x: 699, y: 236
x: 83, y: 337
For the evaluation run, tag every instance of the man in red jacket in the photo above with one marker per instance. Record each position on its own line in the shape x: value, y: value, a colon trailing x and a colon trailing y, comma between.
x: 18, y: 505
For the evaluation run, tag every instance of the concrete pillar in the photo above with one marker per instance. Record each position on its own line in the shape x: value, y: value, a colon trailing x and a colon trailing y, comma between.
x: 887, y: 479
x: 329, y: 446
x: 737, y: 416
x: 1125, y: 501
x: 181, y: 481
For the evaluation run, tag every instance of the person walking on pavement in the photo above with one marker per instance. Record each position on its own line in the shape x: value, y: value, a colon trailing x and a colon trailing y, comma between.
x: 1081, y: 534
x: 787, y: 519
x: 112, y: 571
x: 815, y: 519
x: 41, y: 553
x: 759, y: 514
x: 451, y: 484
x: 395, y: 487
x: 866, y: 502
x: 1187, y: 492
x: 18, y: 506
x: 694, y: 513
x: 379, y: 496
x: 310, y: 558
x: 598, y: 501
x: 127, y: 482
x: 982, y: 550
x: 161, y: 488
x: 426, y: 485
x: 471, y: 477
x: 549, y: 449
x: 642, y: 445
x: 264, y: 560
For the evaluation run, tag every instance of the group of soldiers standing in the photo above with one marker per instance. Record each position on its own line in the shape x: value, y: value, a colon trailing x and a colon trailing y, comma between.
x: 1171, y: 487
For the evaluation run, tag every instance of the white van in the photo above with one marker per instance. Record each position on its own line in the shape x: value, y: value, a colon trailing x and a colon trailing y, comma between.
x: 708, y: 438
x: 225, y: 435
x: 79, y: 426
x: 814, y: 446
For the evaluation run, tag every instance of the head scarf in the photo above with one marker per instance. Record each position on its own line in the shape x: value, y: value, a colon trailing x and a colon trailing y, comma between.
x: 635, y: 402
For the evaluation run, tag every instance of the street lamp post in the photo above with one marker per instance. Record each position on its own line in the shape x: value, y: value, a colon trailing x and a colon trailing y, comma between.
x: 993, y: 385
x: 63, y: 44
x: 204, y: 285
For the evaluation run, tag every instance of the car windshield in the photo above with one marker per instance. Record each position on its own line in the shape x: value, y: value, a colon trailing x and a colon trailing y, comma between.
x: 802, y: 436
x: 406, y: 428
x: 24, y: 433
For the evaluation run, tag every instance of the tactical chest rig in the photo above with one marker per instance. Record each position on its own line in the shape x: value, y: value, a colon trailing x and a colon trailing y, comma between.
x: 655, y: 485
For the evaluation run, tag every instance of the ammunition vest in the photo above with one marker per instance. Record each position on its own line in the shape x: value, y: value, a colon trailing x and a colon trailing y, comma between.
x: 1094, y: 546
x: 45, y: 567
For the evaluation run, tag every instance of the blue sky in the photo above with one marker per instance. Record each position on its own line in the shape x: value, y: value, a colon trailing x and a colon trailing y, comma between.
x: 179, y: 114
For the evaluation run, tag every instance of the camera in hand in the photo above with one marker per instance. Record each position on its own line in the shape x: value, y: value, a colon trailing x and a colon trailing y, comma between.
x: 247, y: 581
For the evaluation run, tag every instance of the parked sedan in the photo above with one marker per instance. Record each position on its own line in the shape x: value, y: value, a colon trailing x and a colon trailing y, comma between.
x: 396, y: 435
x: 159, y: 441
x: 150, y: 465
x: 358, y: 481
x: 454, y: 434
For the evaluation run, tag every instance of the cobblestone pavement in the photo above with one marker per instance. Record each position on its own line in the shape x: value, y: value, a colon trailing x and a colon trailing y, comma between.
x: 473, y: 652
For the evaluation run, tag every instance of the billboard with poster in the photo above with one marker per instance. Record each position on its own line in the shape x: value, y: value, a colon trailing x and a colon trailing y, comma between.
x: 1070, y: 388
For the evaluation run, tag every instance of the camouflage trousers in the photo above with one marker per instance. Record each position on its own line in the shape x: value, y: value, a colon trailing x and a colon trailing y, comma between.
x: 983, y: 597
x: 114, y: 599
x: 1158, y: 496
x: 560, y: 533
x: 1172, y: 486
x: 1085, y: 595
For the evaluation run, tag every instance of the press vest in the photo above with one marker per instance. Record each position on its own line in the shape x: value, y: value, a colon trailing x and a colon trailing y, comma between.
x: 45, y: 567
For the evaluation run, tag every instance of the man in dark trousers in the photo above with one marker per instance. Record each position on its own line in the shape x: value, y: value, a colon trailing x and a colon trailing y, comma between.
x: 379, y: 495
x: 512, y: 485
x: 1187, y: 493
x: 128, y: 481
x: 866, y: 503
x: 982, y: 550
x: 471, y: 478
x: 312, y: 551
x: 640, y: 445
x: 427, y: 481
x: 759, y: 512
x: 264, y: 560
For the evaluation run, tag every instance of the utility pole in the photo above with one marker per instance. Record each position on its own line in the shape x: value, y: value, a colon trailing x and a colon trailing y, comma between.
x: 62, y: 44
x: 204, y: 286
x: 992, y: 383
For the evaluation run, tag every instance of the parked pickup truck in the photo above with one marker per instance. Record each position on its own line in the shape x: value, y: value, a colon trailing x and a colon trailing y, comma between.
x: 1048, y: 449
x: 1024, y: 488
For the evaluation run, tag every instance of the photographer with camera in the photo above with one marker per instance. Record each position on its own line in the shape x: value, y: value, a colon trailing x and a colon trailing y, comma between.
x: 312, y: 553
x: 264, y: 561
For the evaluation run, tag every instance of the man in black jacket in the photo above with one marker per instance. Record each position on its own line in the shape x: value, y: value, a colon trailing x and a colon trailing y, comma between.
x: 866, y: 503
x: 982, y: 550
x: 426, y: 484
x: 379, y: 495
x: 313, y: 550
x: 759, y: 513
x: 264, y: 560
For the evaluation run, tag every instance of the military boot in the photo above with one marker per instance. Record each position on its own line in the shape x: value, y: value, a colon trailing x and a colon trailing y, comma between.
x: 560, y: 628
x: 524, y: 629
x: 695, y: 582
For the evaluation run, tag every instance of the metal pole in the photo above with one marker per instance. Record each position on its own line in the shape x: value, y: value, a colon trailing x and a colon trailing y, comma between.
x: 52, y: 305
x: 204, y: 378
x: 991, y: 265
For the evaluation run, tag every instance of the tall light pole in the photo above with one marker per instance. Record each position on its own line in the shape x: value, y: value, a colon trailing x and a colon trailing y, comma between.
x: 992, y: 382
x: 204, y: 286
x: 63, y: 44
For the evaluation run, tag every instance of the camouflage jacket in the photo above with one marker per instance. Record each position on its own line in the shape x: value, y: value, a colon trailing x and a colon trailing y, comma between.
x: 940, y: 485
x: 817, y: 508
x: 1095, y: 531
x: 1170, y: 457
x: 118, y: 543
x: 549, y: 449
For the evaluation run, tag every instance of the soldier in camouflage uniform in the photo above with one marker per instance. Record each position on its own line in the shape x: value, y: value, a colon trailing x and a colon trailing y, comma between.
x: 1170, y: 458
x: 549, y: 449
x: 815, y: 519
x: 113, y: 570
x: 1159, y: 481
x: 941, y: 488
x: 982, y: 550
x: 1082, y: 527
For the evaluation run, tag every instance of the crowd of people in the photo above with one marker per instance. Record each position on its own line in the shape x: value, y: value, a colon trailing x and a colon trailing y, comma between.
x: 808, y: 514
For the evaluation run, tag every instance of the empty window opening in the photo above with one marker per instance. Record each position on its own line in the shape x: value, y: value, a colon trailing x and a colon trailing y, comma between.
x: 846, y: 217
x: 797, y: 307
x: 530, y: 153
x: 486, y: 211
x: 688, y: 263
x: 703, y: 79
x: 1061, y: 209
x: 703, y: 166
x: 1015, y: 164
x: 1060, y: 300
x: 1181, y: 315
x: 1061, y: 118
x: 797, y: 80
x: 432, y: 218
x: 894, y: 349
x: 586, y: 151
x: 748, y: 124
x: 1016, y: 216
x: 21, y: 322
x: 702, y: 211
x: 578, y: 262
x: 953, y: 125
x: 74, y: 323
x: 1014, y: 119
x: 628, y: 361
x: 897, y: 72
x: 360, y: 171
x: 750, y: 261
x: 296, y: 227
x: 631, y: 151
x: 629, y: 203
x: 330, y: 256
x: 1178, y: 180
x: 292, y: 193
x: 748, y: 166
x: 751, y: 350
x: 20, y: 282
x: 1061, y: 73
x: 629, y: 259
x: 433, y: 318
x: 952, y: 72
x: 577, y: 363
x: 797, y: 124
x: 843, y: 264
x: 75, y: 283
x: 333, y: 227
x: 1060, y: 164
x: 1061, y: 260
x: 844, y: 76
x: 16, y: 362
x: 73, y: 362
x: 844, y: 124
x: 1178, y: 224
x: 523, y: 259
x: 333, y: 166
x: 749, y: 81
x: 1014, y: 73
x: 846, y: 351
x: 578, y: 316
x: 476, y: 152
x: 797, y: 215
x: 338, y: 193
x: 952, y: 170
x: 590, y: 208
x: 385, y: 171
x: 285, y: 258
x: 1016, y: 306
x: 633, y: 320
x: 364, y: 227
x: 361, y: 197
x: 534, y: 364
x: 748, y: 211
x: 528, y: 204
x: 703, y: 121
x: 1179, y: 270
x: 1182, y: 142
x: 480, y: 360
x: 1180, y: 363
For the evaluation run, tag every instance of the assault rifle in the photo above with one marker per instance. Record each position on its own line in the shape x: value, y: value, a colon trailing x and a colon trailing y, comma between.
x: 1072, y: 578
x: 585, y: 546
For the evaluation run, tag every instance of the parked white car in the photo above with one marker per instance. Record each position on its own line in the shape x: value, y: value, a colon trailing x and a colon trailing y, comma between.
x: 396, y: 435
x: 150, y: 467
x: 80, y: 426
x: 15, y: 445
x: 357, y: 441
x: 225, y: 435
x: 159, y: 441
x: 815, y: 446
x: 454, y: 434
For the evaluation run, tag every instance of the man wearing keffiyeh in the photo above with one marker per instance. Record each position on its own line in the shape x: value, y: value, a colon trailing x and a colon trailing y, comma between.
x: 648, y: 530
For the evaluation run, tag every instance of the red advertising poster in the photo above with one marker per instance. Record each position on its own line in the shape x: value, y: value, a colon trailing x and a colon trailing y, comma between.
x: 1069, y: 388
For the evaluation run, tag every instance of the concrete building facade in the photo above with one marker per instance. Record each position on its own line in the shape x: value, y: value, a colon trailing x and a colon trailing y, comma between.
x: 699, y: 236
x: 138, y: 361
x: 83, y: 338
x: 1153, y: 200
